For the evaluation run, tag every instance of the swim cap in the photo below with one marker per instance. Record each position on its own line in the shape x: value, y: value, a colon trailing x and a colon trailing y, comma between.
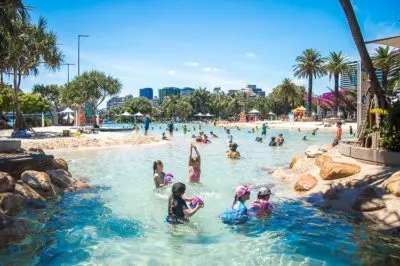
x: 264, y: 191
x: 241, y: 190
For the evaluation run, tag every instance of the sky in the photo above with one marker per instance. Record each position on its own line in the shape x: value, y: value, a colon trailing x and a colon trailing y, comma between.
x: 204, y: 43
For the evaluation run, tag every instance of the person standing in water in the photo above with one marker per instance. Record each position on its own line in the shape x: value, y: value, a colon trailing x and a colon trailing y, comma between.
x: 194, y: 165
x: 280, y: 139
x: 351, y: 130
x: 338, y: 136
x: 229, y: 136
x: 184, y: 129
x: 272, y: 142
x: 158, y: 174
x: 264, y: 130
x: 146, y: 122
x: 170, y: 127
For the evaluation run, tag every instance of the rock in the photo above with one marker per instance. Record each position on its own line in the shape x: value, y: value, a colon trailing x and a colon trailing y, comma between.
x: 59, y: 164
x: 334, y: 170
x: 61, y: 178
x: 313, y: 151
x: 392, y: 184
x: 305, y: 183
x: 322, y: 159
x: 11, y: 203
x: 10, y: 230
x: 368, y: 201
x: 332, y: 194
x: 7, y: 182
x: 326, y: 148
x: 27, y: 192
x: 279, y: 173
x: 5, y: 221
x: 36, y: 150
x: 296, y: 162
x: 37, y: 180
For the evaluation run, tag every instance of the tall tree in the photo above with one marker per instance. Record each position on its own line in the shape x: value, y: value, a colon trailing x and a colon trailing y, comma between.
x: 91, y: 87
x: 384, y: 59
x: 309, y: 65
x: 287, y: 90
x: 52, y: 93
x: 140, y: 104
x: 336, y: 65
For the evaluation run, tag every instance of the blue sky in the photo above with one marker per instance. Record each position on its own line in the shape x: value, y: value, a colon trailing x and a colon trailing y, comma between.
x: 207, y: 43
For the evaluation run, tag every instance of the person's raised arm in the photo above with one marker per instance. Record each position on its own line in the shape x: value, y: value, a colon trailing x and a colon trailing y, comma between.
x: 190, y: 154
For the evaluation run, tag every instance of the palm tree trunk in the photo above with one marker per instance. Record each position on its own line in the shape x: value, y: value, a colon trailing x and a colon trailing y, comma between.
x: 362, y: 50
x: 18, y: 125
x: 336, y: 77
x: 309, y: 107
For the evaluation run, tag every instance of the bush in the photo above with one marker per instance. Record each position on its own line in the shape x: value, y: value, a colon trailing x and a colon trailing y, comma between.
x: 37, y: 121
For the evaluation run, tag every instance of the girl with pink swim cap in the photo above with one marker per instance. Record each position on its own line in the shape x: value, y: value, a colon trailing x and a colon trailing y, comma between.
x: 237, y: 214
x: 194, y: 165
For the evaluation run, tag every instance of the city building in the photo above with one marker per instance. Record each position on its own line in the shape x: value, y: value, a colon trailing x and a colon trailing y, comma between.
x: 167, y: 91
x: 350, y: 80
x: 147, y: 93
x: 118, y: 101
x: 253, y: 91
x: 186, y: 91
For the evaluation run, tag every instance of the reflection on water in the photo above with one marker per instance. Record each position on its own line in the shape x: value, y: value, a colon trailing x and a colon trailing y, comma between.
x: 122, y: 219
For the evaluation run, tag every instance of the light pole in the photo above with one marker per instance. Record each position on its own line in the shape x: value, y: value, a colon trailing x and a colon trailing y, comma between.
x: 79, y: 44
x: 68, y: 64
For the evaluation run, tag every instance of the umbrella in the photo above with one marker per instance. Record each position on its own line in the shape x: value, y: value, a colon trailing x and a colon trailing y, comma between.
x: 138, y: 114
x: 254, y: 111
x: 208, y: 115
x: 67, y: 110
x: 126, y: 114
x: 199, y: 114
x: 300, y: 109
x: 271, y: 113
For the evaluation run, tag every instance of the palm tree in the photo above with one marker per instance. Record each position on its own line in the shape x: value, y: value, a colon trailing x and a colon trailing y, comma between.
x: 309, y: 65
x: 384, y: 58
x: 337, y: 64
x: 288, y: 92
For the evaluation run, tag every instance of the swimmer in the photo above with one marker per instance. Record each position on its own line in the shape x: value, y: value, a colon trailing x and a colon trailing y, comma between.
x: 280, y: 139
x: 232, y: 153
x: 163, y: 136
x: 264, y: 130
x: 194, y: 165
x: 178, y: 211
x: 206, y: 140
x: 272, y: 142
x: 314, y: 132
x: 261, y: 204
x: 158, y: 174
x: 259, y: 139
x: 305, y: 138
x: 184, y: 129
x: 299, y: 129
x: 194, y: 136
x: 213, y: 134
x: 229, y: 136
x: 238, y: 128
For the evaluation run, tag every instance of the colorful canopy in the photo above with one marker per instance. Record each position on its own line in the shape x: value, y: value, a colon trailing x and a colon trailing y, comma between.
x: 299, y: 109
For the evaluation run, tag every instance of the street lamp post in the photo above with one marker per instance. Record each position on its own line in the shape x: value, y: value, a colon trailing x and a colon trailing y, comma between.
x: 79, y: 44
x: 68, y: 64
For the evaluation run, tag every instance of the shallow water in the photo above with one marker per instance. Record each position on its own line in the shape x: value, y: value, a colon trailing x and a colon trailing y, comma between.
x: 120, y: 220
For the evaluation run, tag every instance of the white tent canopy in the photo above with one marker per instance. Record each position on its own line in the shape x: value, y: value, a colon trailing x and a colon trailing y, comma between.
x: 199, y: 114
x: 254, y: 111
x: 67, y: 111
x: 126, y: 114
x: 138, y: 114
x: 208, y: 115
x: 271, y: 113
x: 68, y: 117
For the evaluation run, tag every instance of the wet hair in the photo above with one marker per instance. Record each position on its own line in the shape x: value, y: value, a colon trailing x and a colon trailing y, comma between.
x: 178, y: 189
x: 273, y: 138
x: 281, y: 135
x: 233, y: 146
x: 259, y: 196
x: 155, y: 165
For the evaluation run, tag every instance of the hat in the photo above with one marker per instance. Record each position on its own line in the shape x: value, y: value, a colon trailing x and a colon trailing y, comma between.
x: 264, y: 191
x: 241, y: 190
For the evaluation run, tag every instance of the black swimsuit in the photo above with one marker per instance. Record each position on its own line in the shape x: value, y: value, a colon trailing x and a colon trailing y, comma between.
x: 176, y: 207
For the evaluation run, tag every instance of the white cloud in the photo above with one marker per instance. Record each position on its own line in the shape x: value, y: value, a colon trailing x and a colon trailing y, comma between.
x: 211, y: 69
x: 171, y: 72
x: 192, y: 64
x: 300, y: 82
x: 250, y: 55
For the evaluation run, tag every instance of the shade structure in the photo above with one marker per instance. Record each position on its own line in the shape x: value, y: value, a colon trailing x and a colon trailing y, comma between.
x: 126, y: 114
x: 208, y: 115
x: 254, y: 111
x: 299, y: 109
x: 67, y: 111
x: 199, y: 114
x: 138, y: 114
x: 70, y: 117
x: 271, y: 113
x: 390, y: 41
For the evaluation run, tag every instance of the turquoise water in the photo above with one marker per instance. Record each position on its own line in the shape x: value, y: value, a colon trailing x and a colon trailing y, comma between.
x: 120, y: 221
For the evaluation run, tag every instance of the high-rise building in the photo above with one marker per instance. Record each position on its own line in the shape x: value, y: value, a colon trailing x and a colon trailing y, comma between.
x: 147, y: 93
x: 186, y: 91
x: 350, y: 80
x: 167, y: 91
x: 118, y: 101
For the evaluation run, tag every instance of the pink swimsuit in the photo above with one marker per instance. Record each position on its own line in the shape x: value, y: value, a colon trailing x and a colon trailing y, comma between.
x: 263, y: 207
x: 194, y: 176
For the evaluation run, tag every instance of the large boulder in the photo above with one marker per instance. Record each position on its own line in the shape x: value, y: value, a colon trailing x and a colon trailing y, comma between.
x: 10, y: 230
x: 313, y: 151
x: 392, y: 184
x: 7, y: 182
x: 37, y: 180
x: 322, y: 160
x: 26, y: 191
x: 334, y: 170
x: 5, y: 221
x: 59, y: 164
x: 367, y: 201
x: 296, y: 162
x: 305, y: 182
x: 11, y: 203
x: 61, y: 178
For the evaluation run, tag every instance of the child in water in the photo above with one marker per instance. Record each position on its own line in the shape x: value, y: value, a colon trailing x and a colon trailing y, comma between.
x: 205, y: 139
x: 163, y: 136
x: 232, y: 153
x: 272, y: 142
x: 194, y: 165
x: 178, y: 211
x: 237, y: 214
x: 158, y: 174
x: 280, y: 139
x: 261, y: 206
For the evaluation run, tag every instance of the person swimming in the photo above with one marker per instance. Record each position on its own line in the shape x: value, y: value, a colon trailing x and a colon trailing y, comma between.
x: 158, y: 174
x: 205, y: 139
x: 280, y: 139
x: 213, y: 134
x: 237, y: 214
x: 178, y: 211
x: 259, y: 139
x: 305, y: 138
x: 272, y: 142
x: 194, y: 165
x: 314, y: 131
x: 232, y: 153
x: 261, y: 205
